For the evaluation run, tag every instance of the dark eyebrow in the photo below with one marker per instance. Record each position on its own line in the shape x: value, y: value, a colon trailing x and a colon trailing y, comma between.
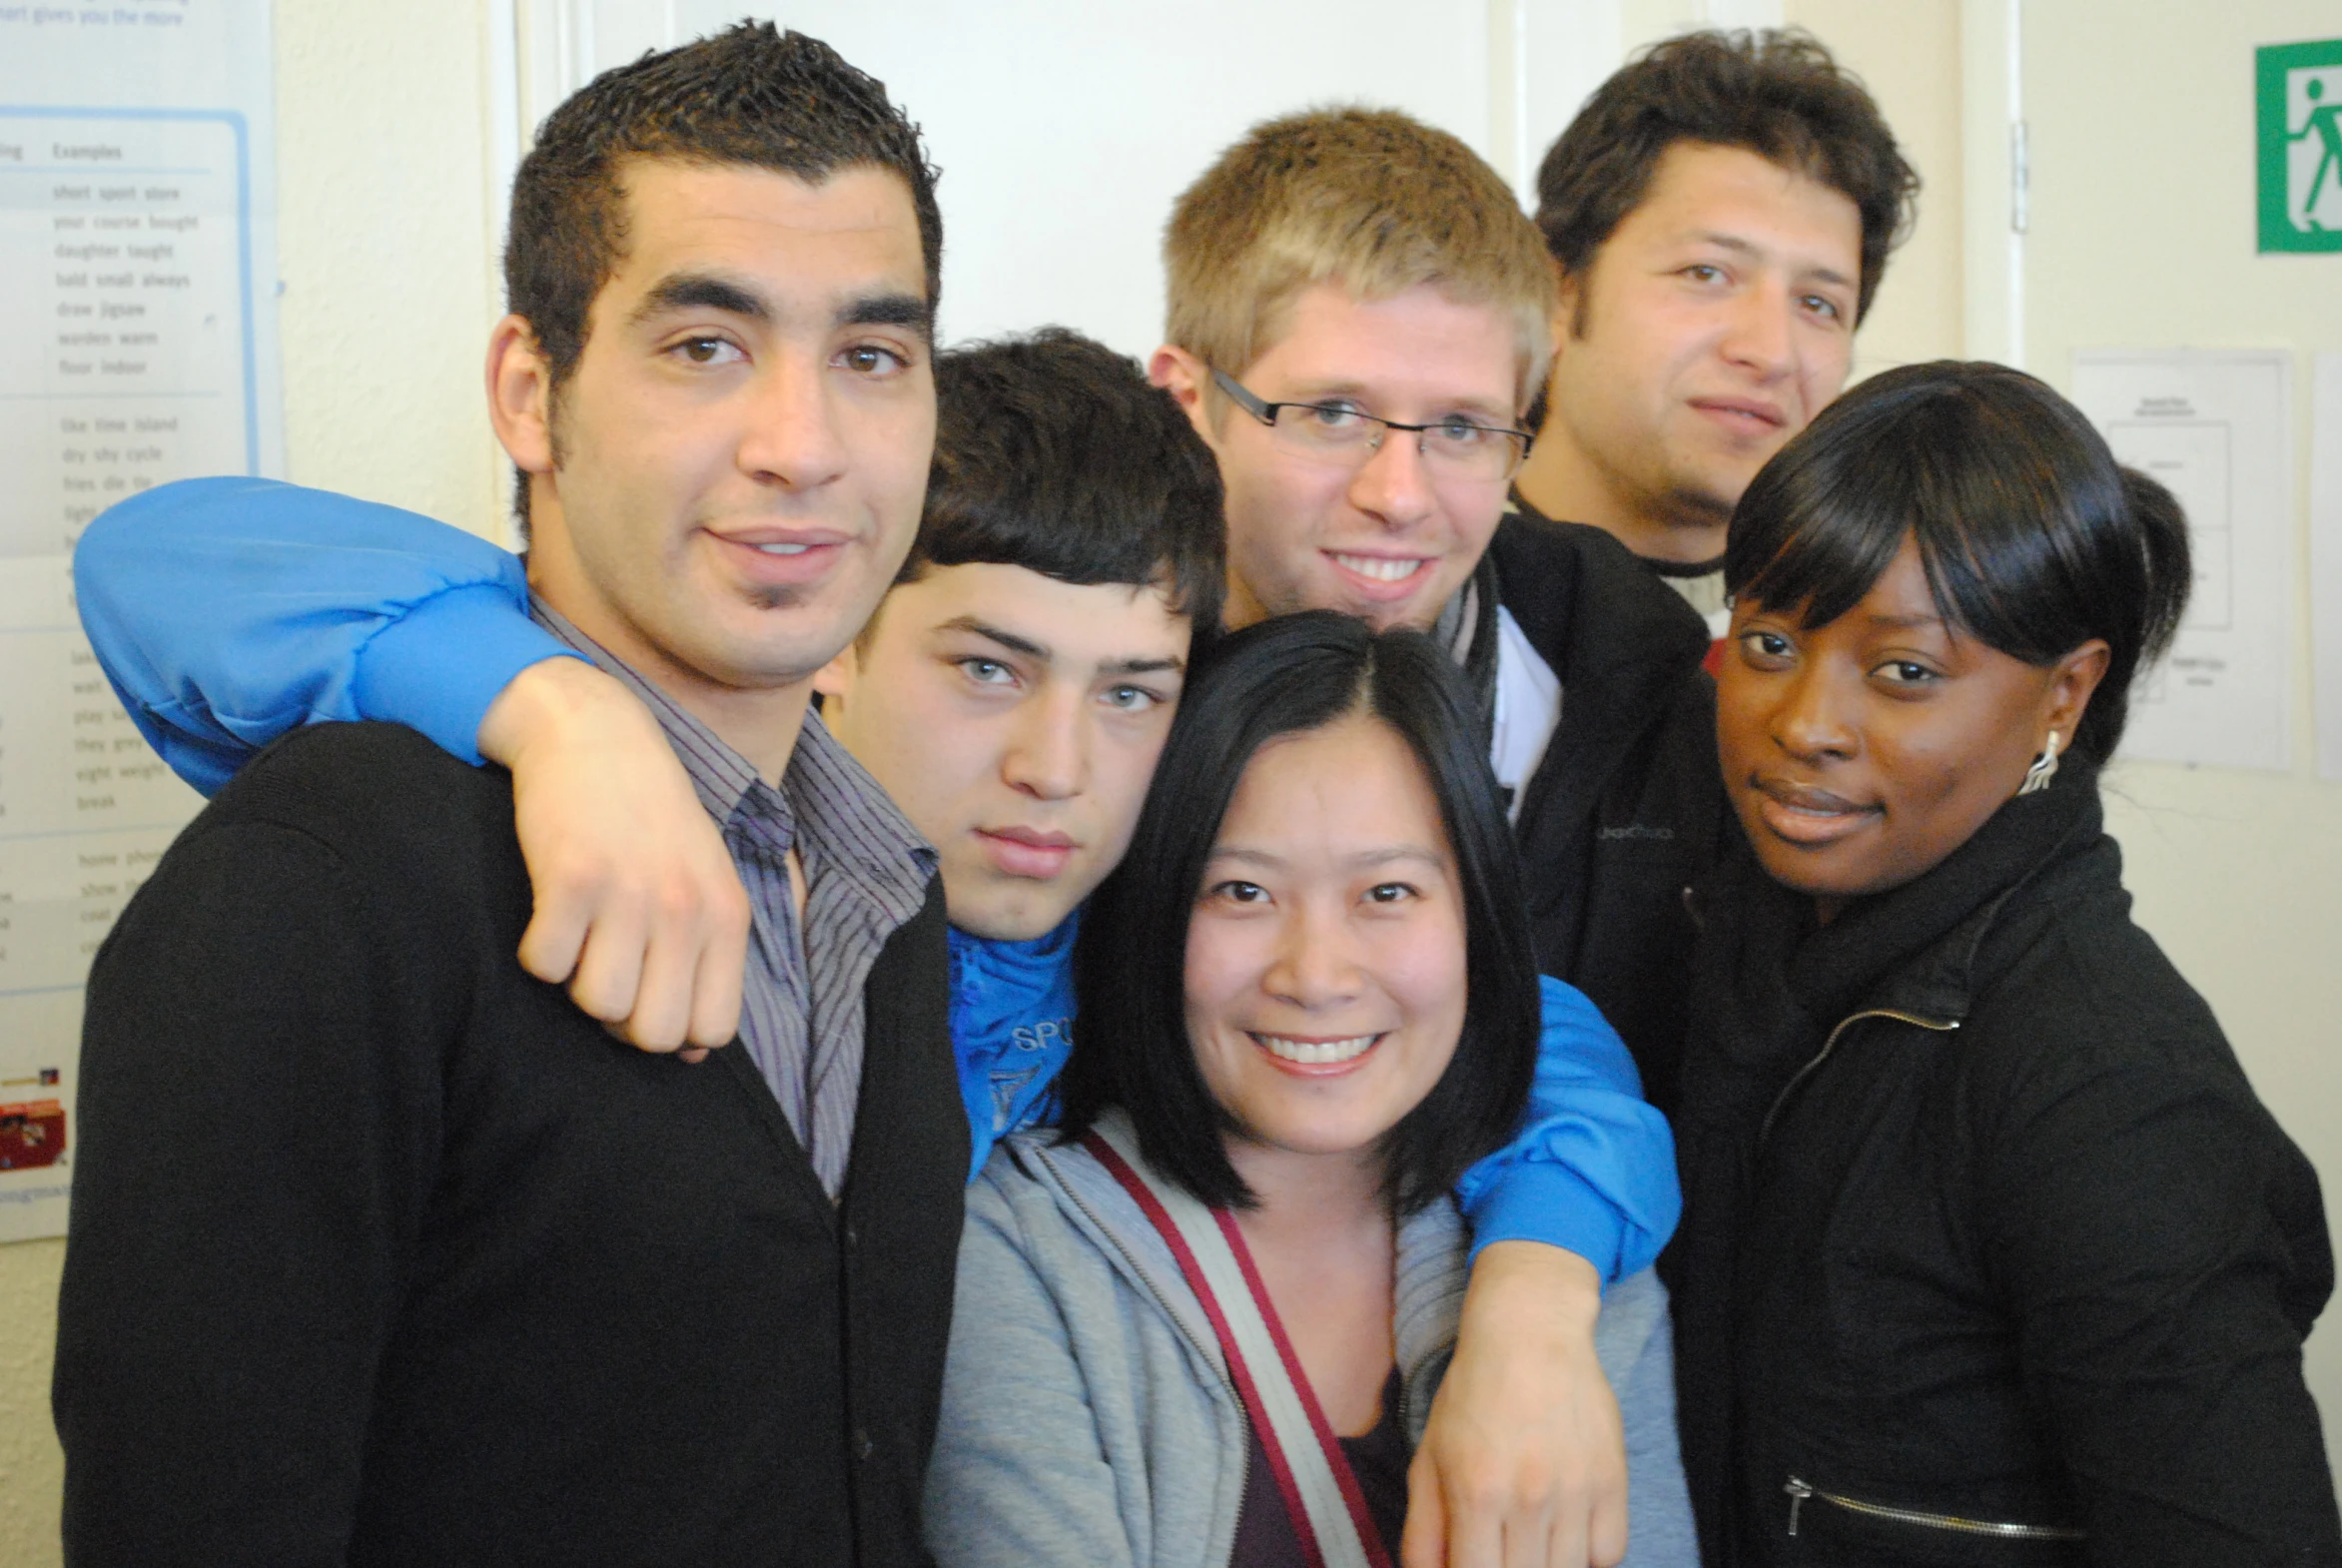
x: 1142, y: 666
x: 1397, y: 852
x: 1740, y: 247
x: 1725, y: 241
x: 1364, y: 859
x: 701, y: 292
x: 1007, y: 640
x: 713, y: 292
x: 1906, y: 622
x: 1034, y: 650
x: 889, y: 309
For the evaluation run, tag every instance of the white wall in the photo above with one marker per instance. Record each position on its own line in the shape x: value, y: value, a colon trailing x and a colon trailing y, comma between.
x: 1064, y: 130
x: 1061, y: 157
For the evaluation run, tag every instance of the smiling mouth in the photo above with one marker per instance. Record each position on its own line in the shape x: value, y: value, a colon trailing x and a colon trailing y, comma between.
x: 1315, y: 1053
x: 1381, y: 579
x: 1383, y: 569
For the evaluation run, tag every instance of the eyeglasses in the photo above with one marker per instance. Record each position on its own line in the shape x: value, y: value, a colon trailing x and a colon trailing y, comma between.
x: 1337, y: 434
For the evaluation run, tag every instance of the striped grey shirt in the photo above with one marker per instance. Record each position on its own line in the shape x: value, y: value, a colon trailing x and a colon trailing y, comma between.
x: 866, y: 873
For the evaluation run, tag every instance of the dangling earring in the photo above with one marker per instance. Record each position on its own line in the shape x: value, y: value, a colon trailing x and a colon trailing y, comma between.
x: 2044, y: 768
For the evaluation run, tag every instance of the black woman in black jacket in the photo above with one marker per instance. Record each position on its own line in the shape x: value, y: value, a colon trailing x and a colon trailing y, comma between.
x: 1990, y: 1253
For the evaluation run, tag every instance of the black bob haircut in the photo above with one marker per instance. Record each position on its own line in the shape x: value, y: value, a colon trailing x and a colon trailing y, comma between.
x: 1288, y: 676
x: 1053, y: 452
x: 750, y: 95
x: 2033, y: 538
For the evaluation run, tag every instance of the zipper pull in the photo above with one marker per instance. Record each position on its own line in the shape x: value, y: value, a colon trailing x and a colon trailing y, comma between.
x: 1797, y: 1493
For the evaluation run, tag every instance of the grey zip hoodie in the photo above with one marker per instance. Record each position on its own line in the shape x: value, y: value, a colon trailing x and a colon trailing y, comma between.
x: 1088, y: 1417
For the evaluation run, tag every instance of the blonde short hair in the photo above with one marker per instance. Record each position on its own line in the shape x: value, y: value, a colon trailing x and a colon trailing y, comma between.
x: 1372, y: 198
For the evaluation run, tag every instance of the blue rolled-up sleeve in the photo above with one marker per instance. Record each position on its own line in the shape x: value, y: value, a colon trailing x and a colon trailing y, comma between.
x: 229, y: 611
x: 1593, y: 1166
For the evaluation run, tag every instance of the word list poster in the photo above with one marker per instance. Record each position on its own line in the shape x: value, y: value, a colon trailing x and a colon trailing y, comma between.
x: 137, y: 346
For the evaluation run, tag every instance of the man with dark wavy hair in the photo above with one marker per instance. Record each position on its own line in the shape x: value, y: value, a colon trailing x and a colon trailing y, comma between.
x: 1722, y: 211
x: 383, y: 1250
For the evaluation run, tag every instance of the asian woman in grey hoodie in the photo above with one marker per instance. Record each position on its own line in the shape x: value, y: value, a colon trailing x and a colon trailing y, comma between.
x: 1308, y: 1003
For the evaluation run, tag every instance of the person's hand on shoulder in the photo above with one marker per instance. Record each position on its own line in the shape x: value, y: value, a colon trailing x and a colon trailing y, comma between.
x: 1523, y: 1461
x: 639, y: 910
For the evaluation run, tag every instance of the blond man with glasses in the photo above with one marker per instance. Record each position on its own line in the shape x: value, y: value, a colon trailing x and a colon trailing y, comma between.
x: 1342, y: 275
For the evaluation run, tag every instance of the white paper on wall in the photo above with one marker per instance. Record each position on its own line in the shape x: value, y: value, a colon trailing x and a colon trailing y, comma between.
x: 2212, y: 425
x: 137, y: 345
x: 2325, y: 555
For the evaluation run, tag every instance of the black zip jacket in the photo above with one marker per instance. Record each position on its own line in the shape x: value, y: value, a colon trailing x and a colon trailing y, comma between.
x: 384, y: 1253
x: 1626, y: 809
x: 1990, y: 1253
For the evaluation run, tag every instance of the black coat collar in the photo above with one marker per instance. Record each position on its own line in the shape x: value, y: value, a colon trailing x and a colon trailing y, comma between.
x: 1915, y: 948
x: 1618, y: 638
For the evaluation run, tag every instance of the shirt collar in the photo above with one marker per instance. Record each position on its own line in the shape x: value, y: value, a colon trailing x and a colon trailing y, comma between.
x: 841, y: 809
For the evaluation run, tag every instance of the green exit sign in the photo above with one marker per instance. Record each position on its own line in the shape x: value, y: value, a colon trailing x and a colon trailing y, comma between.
x: 2298, y: 95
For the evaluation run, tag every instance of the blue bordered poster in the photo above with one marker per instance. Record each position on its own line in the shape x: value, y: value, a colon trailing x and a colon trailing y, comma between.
x: 137, y: 345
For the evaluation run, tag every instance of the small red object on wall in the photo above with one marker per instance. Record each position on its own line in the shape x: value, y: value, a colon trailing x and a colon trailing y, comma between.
x: 32, y: 1134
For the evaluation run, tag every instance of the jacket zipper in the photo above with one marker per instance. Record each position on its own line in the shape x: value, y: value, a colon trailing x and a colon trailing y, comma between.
x: 1940, y: 1025
x: 1799, y: 1491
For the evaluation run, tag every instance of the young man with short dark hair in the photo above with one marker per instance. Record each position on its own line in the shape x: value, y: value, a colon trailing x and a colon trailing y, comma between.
x: 384, y: 1252
x: 1012, y: 689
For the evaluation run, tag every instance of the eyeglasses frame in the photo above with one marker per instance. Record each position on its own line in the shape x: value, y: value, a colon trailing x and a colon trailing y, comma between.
x: 1248, y: 401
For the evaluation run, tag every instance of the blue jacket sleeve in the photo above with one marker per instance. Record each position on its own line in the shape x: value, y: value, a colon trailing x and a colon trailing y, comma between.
x: 1593, y: 1168
x: 227, y: 611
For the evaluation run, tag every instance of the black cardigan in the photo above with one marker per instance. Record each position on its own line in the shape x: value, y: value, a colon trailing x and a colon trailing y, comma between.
x: 1983, y: 1222
x: 382, y: 1252
x: 1624, y: 810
